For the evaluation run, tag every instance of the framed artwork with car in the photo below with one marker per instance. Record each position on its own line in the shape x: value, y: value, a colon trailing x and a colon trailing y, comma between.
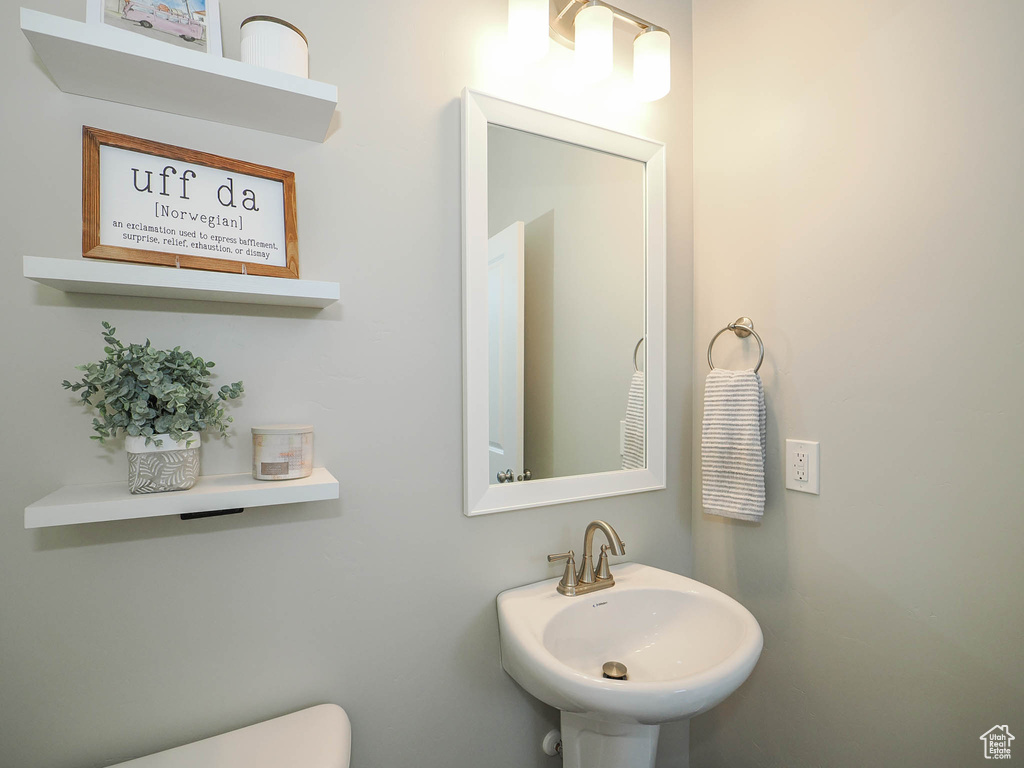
x: 191, y: 24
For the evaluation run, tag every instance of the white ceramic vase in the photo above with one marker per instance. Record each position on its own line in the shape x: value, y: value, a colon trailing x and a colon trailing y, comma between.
x: 273, y: 43
x: 173, y: 465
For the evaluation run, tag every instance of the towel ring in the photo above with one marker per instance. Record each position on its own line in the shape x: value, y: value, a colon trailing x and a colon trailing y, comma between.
x: 743, y: 327
x: 636, y: 368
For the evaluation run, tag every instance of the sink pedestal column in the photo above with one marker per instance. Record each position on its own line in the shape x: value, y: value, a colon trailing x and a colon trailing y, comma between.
x: 590, y: 742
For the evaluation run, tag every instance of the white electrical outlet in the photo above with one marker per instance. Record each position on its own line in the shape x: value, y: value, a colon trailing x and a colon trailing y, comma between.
x: 802, y: 466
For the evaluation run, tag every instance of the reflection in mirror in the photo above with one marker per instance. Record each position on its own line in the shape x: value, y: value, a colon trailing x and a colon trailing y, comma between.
x: 563, y: 324
x: 566, y: 308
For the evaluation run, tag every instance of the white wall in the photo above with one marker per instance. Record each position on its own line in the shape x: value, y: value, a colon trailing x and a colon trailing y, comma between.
x: 858, y: 194
x: 584, y: 282
x: 118, y: 639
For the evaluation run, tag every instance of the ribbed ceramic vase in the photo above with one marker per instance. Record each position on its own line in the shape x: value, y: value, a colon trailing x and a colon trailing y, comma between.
x: 171, y: 466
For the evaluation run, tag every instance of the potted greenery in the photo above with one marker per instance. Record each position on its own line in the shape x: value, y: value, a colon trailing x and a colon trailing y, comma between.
x: 160, y: 400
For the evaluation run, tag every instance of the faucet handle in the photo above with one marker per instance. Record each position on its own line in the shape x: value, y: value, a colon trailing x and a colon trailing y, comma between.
x: 568, y: 584
x: 602, y: 564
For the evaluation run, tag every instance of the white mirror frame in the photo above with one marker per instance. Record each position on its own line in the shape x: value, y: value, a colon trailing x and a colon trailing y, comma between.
x: 481, y: 497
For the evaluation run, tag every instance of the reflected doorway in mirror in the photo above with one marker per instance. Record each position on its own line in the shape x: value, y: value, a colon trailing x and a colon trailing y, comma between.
x: 506, y: 337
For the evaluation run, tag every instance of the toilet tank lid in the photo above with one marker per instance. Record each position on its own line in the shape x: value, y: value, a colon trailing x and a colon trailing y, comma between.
x: 318, y: 737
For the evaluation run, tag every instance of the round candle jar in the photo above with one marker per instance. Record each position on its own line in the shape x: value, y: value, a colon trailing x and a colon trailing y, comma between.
x: 275, y: 44
x: 282, y: 451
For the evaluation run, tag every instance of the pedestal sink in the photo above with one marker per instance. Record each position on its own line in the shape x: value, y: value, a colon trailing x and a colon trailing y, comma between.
x: 685, y: 647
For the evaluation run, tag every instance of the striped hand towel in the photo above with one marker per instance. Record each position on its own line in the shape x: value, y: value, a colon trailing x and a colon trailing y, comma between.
x: 733, y: 445
x: 633, y: 453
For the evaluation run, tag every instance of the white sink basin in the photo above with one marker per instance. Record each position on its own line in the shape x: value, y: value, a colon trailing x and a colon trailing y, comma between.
x: 685, y: 645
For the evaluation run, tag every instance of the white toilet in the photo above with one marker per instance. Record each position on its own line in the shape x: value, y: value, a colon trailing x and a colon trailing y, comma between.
x: 318, y: 737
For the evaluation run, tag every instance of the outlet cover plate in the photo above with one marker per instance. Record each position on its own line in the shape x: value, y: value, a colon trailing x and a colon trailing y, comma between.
x: 802, y: 462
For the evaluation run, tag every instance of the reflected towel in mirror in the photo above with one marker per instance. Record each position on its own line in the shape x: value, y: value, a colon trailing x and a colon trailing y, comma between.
x: 633, y: 450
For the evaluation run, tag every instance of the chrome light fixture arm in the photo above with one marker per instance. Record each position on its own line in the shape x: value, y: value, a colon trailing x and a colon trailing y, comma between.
x: 563, y: 15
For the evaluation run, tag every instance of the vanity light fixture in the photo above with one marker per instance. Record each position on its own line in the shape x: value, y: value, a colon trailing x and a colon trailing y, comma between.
x: 528, y: 28
x: 586, y: 26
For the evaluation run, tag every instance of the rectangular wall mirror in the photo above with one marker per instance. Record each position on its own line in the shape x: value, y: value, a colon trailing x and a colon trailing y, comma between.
x: 563, y: 309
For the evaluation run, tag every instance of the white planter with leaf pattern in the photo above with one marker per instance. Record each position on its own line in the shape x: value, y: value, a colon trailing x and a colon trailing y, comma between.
x: 171, y: 465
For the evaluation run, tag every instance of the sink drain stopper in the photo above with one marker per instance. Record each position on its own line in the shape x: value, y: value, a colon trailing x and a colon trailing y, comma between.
x: 614, y: 670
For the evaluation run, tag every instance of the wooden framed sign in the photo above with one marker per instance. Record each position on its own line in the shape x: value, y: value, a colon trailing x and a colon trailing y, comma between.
x: 154, y: 203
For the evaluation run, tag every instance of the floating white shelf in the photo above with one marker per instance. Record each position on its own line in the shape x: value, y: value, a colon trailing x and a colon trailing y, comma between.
x: 104, y: 62
x: 113, y: 278
x: 94, y: 503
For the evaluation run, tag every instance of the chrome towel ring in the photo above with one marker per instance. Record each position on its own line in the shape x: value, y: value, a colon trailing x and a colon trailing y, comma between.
x: 743, y: 327
x: 636, y: 368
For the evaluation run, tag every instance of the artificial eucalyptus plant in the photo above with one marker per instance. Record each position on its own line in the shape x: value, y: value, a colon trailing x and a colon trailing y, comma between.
x: 139, y: 390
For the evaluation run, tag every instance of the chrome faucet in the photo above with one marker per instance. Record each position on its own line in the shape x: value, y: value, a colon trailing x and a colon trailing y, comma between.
x: 587, y: 580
